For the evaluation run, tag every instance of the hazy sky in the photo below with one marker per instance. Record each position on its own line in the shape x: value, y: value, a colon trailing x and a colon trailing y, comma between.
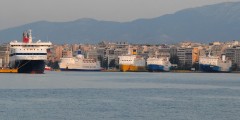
x: 19, y: 12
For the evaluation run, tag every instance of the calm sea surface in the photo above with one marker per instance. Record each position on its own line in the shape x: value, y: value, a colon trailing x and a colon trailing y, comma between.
x: 119, y: 96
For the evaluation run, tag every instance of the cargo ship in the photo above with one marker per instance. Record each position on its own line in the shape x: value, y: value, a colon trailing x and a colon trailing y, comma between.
x: 215, y: 63
x: 28, y: 56
x: 132, y: 62
x: 160, y: 64
x: 79, y: 63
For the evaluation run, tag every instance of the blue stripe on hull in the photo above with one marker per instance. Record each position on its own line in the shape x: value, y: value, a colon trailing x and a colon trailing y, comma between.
x: 210, y: 68
x: 96, y: 70
x: 158, y: 68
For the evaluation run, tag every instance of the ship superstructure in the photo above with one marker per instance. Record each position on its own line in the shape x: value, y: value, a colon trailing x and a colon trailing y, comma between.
x: 215, y: 64
x: 28, y: 56
x: 79, y: 63
x: 158, y: 64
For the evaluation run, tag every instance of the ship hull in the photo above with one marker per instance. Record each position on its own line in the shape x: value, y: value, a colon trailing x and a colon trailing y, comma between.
x: 212, y: 68
x: 158, y: 68
x: 132, y: 68
x: 33, y: 66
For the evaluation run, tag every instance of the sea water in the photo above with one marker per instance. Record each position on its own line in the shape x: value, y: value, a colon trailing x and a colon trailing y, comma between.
x: 120, y: 96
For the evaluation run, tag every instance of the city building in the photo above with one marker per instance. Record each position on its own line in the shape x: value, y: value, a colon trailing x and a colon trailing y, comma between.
x: 4, y: 55
x: 233, y: 53
x: 185, y: 56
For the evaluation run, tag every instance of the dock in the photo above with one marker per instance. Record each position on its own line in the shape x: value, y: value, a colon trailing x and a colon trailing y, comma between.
x: 183, y: 71
x: 8, y: 70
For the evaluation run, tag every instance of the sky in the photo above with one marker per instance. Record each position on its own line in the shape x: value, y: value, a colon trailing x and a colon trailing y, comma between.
x: 19, y: 12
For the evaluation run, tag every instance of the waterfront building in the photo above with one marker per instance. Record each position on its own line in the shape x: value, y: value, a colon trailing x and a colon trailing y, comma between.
x: 188, y: 53
x: 58, y: 52
x: 119, y: 52
x: 164, y: 51
x: 122, y: 45
x: 185, y: 56
x: 75, y: 47
x: 1, y: 65
x: 4, y: 55
x: 92, y: 54
x: 195, y: 55
x: 173, y: 51
x: 233, y: 53
x: 67, y: 53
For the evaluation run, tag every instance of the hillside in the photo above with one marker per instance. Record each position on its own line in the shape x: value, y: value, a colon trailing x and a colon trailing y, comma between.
x: 219, y: 22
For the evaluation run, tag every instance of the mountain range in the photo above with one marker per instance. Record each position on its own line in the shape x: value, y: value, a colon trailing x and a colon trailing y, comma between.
x: 218, y: 22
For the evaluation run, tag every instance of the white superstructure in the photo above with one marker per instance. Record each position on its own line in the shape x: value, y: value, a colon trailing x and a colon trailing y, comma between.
x: 79, y: 63
x: 133, y: 60
x: 29, y: 51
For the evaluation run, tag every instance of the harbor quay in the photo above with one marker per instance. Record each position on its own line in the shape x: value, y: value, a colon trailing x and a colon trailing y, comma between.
x: 187, y: 57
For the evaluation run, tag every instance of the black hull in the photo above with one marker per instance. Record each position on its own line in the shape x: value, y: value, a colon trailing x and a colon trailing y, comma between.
x: 33, y: 66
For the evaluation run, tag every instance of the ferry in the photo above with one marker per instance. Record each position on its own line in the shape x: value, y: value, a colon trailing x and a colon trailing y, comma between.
x: 28, y: 56
x: 132, y: 62
x: 161, y: 64
x: 79, y: 63
x: 215, y: 64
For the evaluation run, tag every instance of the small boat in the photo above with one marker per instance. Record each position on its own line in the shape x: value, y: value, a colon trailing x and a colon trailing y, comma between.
x: 47, y: 68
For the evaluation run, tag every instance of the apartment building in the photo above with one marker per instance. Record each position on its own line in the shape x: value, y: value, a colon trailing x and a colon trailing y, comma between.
x: 233, y: 53
x: 4, y: 55
x: 185, y: 56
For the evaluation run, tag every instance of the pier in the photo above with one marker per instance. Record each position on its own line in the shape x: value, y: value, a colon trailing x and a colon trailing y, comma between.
x: 8, y: 70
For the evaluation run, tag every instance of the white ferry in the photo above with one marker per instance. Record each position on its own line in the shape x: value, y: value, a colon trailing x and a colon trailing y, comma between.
x: 79, y: 63
x: 28, y: 56
x: 215, y: 64
x: 160, y: 64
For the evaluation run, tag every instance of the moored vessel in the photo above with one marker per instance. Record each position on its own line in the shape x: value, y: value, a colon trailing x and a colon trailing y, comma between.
x: 160, y: 64
x: 79, y: 63
x: 47, y: 68
x: 28, y: 56
x: 132, y: 63
x: 215, y: 64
